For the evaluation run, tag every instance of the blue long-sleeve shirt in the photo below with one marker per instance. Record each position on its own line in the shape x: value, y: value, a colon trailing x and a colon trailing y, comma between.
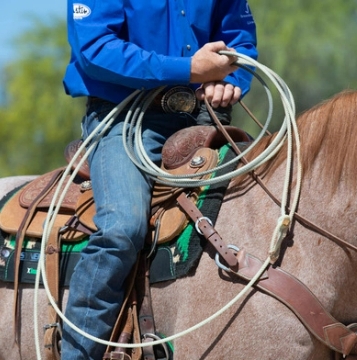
x: 122, y: 45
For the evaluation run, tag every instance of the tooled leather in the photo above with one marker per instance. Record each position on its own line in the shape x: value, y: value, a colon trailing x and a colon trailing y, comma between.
x: 70, y: 150
x: 181, y: 146
x: 162, y: 192
x: 30, y: 191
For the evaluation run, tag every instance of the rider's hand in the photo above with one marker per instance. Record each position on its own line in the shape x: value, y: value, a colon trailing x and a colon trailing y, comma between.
x: 219, y: 93
x: 207, y: 65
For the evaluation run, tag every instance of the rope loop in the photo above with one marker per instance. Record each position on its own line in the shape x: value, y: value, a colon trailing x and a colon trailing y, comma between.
x: 134, y: 147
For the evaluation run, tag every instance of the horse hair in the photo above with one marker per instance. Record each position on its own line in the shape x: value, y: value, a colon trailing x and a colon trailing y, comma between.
x: 318, y: 129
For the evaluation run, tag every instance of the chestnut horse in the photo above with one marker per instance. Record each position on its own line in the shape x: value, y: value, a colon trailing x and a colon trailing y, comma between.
x: 258, y: 326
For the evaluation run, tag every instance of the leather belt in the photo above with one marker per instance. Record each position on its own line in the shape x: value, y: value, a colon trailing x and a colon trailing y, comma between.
x: 173, y: 100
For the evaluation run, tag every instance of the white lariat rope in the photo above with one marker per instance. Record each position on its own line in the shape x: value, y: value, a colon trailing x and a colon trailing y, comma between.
x: 134, y: 147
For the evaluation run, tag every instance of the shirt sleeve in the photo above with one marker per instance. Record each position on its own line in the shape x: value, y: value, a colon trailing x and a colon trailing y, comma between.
x: 97, y: 36
x: 235, y: 25
x: 107, y: 51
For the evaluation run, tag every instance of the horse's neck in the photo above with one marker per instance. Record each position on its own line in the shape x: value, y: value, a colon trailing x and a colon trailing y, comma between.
x: 248, y: 218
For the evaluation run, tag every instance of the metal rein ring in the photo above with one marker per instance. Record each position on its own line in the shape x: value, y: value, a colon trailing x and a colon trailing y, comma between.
x: 155, y: 337
x: 219, y: 264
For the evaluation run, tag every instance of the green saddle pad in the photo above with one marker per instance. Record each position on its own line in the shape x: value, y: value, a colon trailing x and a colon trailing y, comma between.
x: 29, y: 259
x: 178, y: 257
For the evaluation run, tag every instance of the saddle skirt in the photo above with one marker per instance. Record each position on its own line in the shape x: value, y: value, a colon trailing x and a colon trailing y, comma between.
x: 14, y: 211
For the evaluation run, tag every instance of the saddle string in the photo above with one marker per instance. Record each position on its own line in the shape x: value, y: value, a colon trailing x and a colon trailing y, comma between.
x: 289, y: 108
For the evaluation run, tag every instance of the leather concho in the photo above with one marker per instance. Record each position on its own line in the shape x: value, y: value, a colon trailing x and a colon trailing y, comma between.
x: 168, y: 219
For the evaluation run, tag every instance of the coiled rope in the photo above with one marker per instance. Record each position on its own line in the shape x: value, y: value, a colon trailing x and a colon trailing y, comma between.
x: 134, y: 145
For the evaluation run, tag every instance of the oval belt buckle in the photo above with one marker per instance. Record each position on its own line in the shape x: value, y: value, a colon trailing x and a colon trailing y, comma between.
x: 179, y: 99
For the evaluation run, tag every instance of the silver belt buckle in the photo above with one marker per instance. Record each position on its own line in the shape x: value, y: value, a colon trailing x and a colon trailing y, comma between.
x: 179, y: 99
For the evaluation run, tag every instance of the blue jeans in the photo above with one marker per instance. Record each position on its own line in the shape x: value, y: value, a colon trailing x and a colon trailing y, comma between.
x: 122, y: 196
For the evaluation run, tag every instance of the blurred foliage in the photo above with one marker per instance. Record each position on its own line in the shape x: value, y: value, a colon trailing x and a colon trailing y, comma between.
x: 311, y: 45
x: 37, y: 118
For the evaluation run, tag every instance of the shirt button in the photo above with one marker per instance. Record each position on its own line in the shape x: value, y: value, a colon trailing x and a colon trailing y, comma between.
x: 188, y: 47
x: 183, y: 12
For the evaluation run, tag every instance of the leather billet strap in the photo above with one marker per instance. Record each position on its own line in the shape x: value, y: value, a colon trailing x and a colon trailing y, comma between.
x: 146, y: 314
x: 52, y: 333
x: 281, y: 285
x: 126, y: 327
x: 205, y: 228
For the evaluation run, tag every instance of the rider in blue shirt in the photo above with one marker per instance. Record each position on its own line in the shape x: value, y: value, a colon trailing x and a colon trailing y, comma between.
x: 118, y: 47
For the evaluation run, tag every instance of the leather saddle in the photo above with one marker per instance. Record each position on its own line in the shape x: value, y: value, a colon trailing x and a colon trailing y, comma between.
x: 75, y: 216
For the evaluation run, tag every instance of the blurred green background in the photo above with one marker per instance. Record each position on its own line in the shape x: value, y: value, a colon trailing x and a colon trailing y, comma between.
x: 311, y: 45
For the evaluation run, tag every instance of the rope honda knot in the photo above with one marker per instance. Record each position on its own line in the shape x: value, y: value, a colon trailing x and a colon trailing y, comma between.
x: 281, y: 230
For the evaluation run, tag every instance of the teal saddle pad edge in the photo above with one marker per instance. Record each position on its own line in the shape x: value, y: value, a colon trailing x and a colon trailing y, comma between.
x: 175, y: 259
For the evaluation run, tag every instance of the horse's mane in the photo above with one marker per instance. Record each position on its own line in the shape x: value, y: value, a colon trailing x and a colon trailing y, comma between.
x: 328, y: 134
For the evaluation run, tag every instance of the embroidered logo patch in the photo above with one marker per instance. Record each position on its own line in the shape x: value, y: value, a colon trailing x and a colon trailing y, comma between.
x: 80, y: 11
x: 247, y: 15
